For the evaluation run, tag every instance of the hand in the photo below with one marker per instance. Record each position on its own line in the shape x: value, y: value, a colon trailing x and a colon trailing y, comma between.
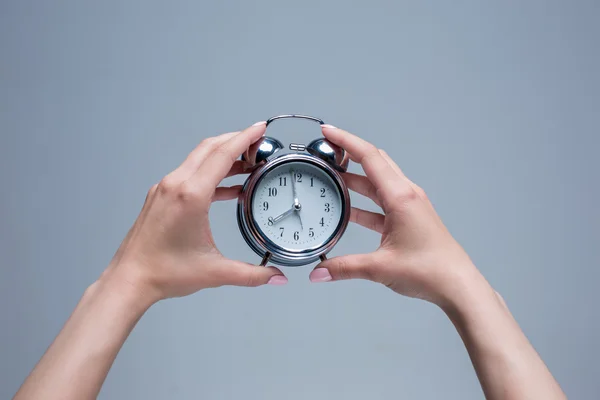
x: 417, y: 257
x: 170, y: 250
x: 294, y: 191
x: 282, y: 216
x: 296, y: 206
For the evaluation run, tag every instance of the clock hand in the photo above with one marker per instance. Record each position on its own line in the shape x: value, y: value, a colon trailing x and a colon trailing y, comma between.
x: 282, y: 216
x: 297, y: 205
x: 294, y: 186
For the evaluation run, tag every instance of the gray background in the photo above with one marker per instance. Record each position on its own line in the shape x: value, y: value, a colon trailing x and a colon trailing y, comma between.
x: 492, y: 108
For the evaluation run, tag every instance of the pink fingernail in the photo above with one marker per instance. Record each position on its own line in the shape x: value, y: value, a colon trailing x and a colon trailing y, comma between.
x: 278, y: 280
x: 320, y: 275
x: 259, y: 123
x: 328, y: 126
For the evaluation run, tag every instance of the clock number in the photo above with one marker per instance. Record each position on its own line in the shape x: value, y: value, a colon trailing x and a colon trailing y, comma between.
x: 283, y: 181
x: 298, y: 177
x: 296, y: 235
x: 265, y: 206
x: 322, y: 222
x: 270, y: 221
x: 311, y: 233
x: 281, y: 229
x: 327, y: 208
x: 311, y: 182
x: 322, y: 192
x: 273, y: 191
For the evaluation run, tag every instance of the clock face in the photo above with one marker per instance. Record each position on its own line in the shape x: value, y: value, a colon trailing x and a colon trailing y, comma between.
x: 297, y: 206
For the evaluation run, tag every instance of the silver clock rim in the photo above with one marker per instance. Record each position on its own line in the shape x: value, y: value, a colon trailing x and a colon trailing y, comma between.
x: 262, y: 245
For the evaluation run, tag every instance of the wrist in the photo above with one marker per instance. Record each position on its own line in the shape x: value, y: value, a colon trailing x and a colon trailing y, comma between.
x: 131, y: 291
x: 467, y: 290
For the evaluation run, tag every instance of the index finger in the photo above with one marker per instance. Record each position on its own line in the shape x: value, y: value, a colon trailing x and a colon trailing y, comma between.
x: 386, y: 180
x: 195, y: 158
x: 217, y: 165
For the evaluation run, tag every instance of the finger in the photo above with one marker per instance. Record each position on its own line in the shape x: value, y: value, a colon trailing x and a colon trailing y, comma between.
x: 216, y: 166
x: 362, y: 185
x: 359, y: 149
x: 227, y: 193
x: 395, y: 166
x: 239, y: 167
x: 352, y: 158
x: 198, y: 155
x: 238, y: 273
x: 370, y: 220
x: 377, y: 169
x: 357, y: 266
x: 391, y: 162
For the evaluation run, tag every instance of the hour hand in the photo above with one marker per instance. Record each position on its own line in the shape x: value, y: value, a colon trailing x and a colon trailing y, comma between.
x: 282, y: 216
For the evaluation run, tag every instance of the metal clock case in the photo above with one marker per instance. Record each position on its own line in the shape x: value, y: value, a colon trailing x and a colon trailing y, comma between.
x: 321, y: 156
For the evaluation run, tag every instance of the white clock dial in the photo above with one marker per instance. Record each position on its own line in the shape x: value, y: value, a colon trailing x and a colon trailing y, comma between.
x: 297, y: 206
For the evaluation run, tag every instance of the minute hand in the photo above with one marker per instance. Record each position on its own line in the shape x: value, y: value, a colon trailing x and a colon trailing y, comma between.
x: 296, y: 201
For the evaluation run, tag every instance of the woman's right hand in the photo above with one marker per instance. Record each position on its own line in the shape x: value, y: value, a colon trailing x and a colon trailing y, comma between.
x: 417, y: 257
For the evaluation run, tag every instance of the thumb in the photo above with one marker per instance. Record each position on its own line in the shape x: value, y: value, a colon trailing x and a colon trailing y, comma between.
x: 357, y: 266
x: 239, y: 273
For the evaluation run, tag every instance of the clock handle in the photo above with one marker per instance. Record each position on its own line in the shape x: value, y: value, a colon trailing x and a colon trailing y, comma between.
x: 318, y: 120
x: 267, y: 146
x: 321, y: 147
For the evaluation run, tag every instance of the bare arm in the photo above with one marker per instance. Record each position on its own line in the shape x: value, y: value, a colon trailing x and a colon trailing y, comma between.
x: 419, y: 258
x: 506, y: 363
x: 76, y: 364
x: 169, y: 252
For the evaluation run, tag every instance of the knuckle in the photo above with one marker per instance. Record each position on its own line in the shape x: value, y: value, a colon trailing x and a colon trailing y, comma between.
x: 253, y: 278
x: 348, y: 268
x: 208, y: 142
x: 420, y: 191
x: 152, y: 190
x: 188, y: 192
x: 151, y: 193
x: 168, y: 185
x: 372, y: 192
x: 404, y: 193
x: 370, y: 152
x: 343, y: 269
x: 400, y: 198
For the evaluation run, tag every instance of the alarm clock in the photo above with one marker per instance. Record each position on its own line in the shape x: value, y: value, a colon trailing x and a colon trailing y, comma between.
x: 294, y: 207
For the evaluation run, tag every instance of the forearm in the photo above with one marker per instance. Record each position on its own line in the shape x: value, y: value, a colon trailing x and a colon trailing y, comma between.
x: 77, y: 362
x: 506, y: 363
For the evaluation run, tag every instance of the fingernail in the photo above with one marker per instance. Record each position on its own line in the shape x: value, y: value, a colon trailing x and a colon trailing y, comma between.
x: 277, y: 280
x: 328, y: 126
x: 259, y: 123
x: 320, y: 275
